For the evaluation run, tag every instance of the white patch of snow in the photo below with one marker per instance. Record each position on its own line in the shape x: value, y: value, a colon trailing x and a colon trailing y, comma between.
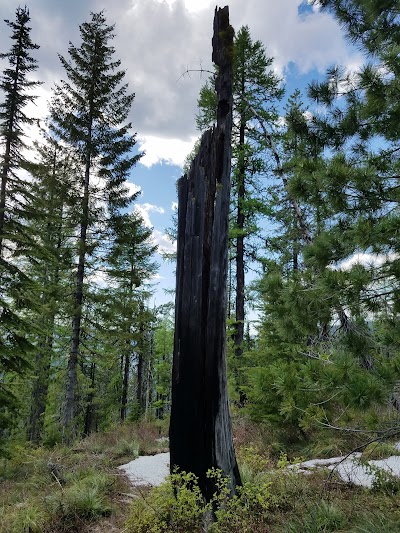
x: 147, y: 469
x: 360, y: 474
x: 313, y: 463
x: 351, y: 470
x: 154, y: 469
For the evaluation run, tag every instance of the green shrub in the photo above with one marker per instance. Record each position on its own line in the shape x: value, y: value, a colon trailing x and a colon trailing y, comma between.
x: 379, y: 450
x: 161, y: 512
x: 85, y: 498
x: 126, y: 448
x: 384, y: 481
x: 246, y: 511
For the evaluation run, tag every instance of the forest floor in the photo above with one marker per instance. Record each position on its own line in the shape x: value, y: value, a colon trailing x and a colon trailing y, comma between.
x: 81, y: 489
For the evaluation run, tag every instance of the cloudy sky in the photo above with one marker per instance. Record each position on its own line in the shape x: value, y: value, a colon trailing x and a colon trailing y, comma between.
x: 157, y: 42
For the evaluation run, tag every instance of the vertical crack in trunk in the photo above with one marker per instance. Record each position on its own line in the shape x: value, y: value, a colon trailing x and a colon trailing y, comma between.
x: 200, y: 430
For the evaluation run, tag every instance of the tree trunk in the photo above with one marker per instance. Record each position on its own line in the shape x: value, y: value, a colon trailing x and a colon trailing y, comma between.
x: 89, y: 413
x: 69, y: 423
x: 141, y: 370
x: 200, y: 430
x: 240, y: 220
x: 39, y: 393
x: 125, y: 385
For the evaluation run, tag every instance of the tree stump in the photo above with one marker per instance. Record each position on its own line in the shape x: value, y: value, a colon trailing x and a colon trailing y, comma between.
x: 200, y: 430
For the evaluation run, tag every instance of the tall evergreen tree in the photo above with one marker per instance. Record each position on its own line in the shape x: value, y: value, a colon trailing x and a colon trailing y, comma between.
x: 329, y: 332
x: 130, y: 264
x: 49, y: 261
x: 16, y: 86
x: 15, y: 90
x: 89, y: 112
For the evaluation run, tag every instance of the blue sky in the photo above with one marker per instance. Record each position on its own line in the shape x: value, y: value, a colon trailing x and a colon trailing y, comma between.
x: 157, y: 42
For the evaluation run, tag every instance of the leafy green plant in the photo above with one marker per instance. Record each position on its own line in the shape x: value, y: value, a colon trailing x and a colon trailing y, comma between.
x: 384, y: 481
x: 178, y: 506
x: 160, y: 511
x: 246, y: 511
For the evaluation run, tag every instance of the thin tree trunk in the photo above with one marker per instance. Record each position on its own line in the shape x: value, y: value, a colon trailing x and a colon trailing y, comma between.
x: 44, y: 356
x: 240, y: 221
x: 141, y: 374
x: 125, y: 385
x: 200, y: 430
x: 40, y: 390
x: 69, y: 423
x: 89, y: 413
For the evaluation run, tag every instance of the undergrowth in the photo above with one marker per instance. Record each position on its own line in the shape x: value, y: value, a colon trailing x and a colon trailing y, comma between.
x: 79, y: 490
x: 65, y: 489
x: 272, y: 498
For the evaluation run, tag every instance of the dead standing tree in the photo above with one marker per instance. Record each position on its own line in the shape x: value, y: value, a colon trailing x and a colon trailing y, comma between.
x: 200, y: 430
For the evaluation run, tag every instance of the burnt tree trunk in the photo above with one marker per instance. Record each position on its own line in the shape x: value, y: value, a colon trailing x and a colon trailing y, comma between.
x: 200, y: 430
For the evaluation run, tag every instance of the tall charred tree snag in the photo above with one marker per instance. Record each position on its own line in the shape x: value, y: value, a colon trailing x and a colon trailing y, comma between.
x: 200, y: 430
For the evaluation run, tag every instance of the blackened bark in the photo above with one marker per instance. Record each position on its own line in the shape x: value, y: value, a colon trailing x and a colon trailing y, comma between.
x: 200, y: 430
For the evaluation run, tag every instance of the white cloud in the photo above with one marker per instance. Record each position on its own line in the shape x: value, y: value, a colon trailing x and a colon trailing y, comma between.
x: 158, y: 237
x: 191, y: 5
x: 169, y: 151
x: 174, y: 206
x: 365, y: 259
x: 145, y: 209
x: 158, y: 41
x: 133, y: 188
x: 165, y: 245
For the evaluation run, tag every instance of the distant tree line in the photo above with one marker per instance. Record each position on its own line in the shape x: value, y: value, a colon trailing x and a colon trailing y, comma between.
x: 80, y: 348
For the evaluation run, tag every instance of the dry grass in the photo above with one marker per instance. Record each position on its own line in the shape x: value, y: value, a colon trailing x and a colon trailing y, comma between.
x: 73, y: 489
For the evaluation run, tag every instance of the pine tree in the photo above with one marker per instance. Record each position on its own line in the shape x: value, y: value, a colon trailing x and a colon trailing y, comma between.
x: 327, y: 333
x: 16, y: 86
x: 49, y: 260
x: 15, y: 285
x: 130, y: 264
x: 88, y: 112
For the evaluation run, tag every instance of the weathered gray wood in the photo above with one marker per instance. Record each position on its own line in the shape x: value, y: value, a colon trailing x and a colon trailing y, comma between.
x: 200, y: 430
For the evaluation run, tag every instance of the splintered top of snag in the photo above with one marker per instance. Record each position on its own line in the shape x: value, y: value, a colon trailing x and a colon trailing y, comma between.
x: 222, y: 41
